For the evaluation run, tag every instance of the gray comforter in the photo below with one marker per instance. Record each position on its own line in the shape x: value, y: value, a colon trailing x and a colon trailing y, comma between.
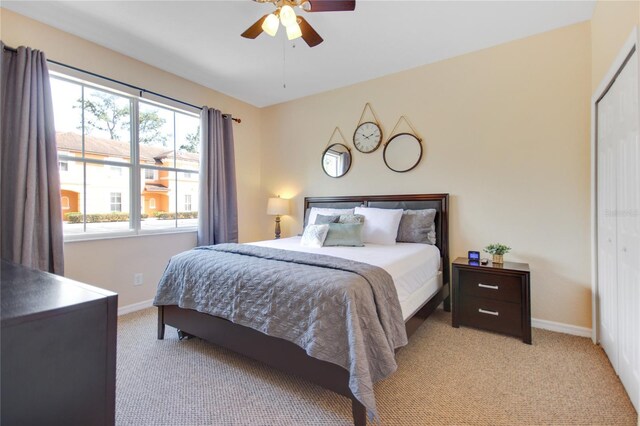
x: 337, y: 310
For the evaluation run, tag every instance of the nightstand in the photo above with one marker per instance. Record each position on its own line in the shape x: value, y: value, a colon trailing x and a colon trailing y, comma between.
x: 492, y: 297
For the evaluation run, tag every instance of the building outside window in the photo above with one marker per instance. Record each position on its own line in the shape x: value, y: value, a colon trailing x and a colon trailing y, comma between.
x: 117, y: 150
x: 187, y: 203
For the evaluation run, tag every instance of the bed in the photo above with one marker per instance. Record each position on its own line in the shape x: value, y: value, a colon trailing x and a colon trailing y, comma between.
x: 420, y: 275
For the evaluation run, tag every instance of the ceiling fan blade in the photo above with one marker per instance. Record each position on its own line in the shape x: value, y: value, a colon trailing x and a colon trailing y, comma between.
x: 309, y: 35
x: 331, y: 5
x: 256, y: 29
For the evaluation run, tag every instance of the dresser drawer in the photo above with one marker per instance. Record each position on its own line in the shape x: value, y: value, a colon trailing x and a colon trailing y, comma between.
x: 490, y: 314
x: 491, y: 286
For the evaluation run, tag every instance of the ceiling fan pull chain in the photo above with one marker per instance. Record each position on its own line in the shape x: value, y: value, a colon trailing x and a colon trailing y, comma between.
x: 284, y: 63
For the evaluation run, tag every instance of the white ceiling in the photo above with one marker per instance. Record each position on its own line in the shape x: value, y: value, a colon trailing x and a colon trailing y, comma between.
x: 200, y: 40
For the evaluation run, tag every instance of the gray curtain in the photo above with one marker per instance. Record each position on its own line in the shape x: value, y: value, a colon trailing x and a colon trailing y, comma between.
x: 218, y: 207
x: 30, y: 210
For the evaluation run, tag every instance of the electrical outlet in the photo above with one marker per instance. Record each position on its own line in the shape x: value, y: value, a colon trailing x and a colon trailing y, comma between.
x: 137, y: 279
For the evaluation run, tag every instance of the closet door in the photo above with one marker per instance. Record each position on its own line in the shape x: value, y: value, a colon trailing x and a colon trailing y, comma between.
x: 618, y: 200
x: 628, y: 229
x: 607, y: 232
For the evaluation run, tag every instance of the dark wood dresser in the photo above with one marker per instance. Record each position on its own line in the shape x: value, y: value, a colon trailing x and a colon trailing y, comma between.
x: 58, y: 350
x: 493, y: 297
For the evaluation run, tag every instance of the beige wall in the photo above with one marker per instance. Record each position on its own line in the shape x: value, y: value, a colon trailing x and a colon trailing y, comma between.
x: 611, y: 24
x: 111, y: 263
x: 506, y: 132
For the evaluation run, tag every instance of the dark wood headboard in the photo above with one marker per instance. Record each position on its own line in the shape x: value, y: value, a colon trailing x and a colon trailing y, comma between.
x: 439, y: 202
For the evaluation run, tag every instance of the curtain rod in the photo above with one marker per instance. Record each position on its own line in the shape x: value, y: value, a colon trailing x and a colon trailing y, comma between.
x: 131, y: 86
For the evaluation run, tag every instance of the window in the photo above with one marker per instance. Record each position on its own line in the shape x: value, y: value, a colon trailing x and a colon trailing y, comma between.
x: 187, y: 203
x: 118, y: 150
x: 65, y: 202
x: 116, y: 201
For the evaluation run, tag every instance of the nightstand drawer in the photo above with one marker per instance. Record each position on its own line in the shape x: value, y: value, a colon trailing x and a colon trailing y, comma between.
x: 494, y: 315
x: 491, y: 286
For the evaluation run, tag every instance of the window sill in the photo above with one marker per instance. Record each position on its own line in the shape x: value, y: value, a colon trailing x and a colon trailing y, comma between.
x: 127, y: 234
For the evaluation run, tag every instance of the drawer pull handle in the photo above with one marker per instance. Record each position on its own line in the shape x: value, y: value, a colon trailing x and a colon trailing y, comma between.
x: 484, y: 311
x: 492, y: 287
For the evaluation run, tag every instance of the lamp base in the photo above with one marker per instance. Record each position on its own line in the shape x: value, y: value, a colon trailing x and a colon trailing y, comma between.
x: 277, y: 227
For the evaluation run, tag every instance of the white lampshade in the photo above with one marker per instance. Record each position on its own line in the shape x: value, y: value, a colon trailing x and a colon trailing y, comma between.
x: 294, y: 31
x: 287, y: 16
x: 270, y: 25
x: 277, y: 206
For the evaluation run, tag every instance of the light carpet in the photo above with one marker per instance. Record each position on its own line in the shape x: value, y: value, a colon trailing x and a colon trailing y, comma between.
x: 446, y: 376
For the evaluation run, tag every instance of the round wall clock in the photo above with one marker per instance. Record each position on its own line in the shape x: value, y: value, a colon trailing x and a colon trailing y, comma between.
x: 367, y: 137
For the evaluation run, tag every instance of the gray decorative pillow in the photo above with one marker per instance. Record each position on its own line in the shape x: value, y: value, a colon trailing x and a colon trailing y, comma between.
x: 344, y: 234
x: 417, y: 226
x: 311, y: 213
x: 314, y: 235
x: 351, y: 218
x: 322, y: 219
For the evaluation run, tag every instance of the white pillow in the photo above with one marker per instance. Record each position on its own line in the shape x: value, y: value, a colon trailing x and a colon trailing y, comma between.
x: 314, y: 235
x: 315, y: 211
x: 380, y: 225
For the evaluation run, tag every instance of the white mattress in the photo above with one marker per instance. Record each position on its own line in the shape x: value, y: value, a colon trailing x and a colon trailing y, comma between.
x: 413, y: 267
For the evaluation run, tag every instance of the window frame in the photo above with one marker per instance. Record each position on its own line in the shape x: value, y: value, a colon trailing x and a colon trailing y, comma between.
x: 135, y: 168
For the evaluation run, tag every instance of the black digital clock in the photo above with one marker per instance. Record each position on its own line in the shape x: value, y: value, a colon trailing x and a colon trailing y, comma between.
x: 474, y: 256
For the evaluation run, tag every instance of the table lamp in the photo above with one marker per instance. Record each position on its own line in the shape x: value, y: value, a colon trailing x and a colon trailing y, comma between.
x: 277, y: 206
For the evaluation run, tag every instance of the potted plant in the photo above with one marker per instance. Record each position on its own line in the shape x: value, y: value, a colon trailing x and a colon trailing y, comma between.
x: 497, y: 250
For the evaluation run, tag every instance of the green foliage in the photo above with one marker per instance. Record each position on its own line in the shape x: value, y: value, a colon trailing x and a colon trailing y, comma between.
x: 181, y: 215
x: 193, y: 141
x: 75, y: 217
x: 497, y: 248
x: 103, y: 113
x: 150, y: 128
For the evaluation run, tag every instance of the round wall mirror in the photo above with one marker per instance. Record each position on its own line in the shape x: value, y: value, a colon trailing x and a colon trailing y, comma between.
x: 336, y: 160
x: 403, y: 152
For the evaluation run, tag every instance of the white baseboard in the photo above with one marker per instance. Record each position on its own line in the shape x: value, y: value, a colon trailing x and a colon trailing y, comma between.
x: 135, y: 307
x: 561, y: 327
x: 537, y: 323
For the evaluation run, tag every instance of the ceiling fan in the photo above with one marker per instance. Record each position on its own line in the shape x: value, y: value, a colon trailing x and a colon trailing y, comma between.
x: 296, y: 26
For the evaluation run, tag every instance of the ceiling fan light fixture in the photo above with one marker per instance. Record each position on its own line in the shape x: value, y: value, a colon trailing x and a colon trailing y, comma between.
x: 306, y: 6
x: 294, y: 31
x: 287, y: 16
x: 270, y: 25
